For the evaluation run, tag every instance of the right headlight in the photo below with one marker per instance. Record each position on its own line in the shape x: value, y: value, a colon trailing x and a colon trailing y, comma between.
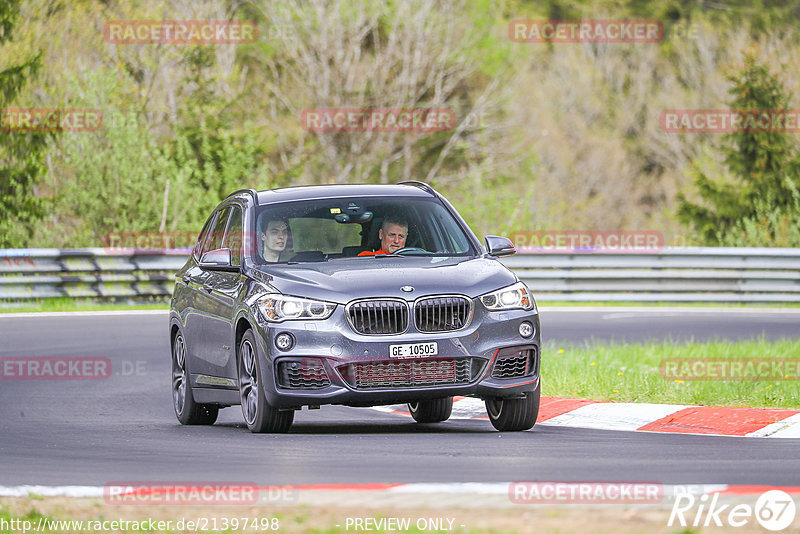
x: 513, y: 297
x: 276, y: 308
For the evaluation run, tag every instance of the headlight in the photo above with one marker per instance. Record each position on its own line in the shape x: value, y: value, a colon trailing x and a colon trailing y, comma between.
x: 509, y: 298
x: 278, y: 308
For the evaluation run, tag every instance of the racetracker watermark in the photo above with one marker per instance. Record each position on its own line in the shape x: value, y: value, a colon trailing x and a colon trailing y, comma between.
x: 585, y: 492
x: 326, y: 120
x: 196, y: 493
x: 768, y: 369
x: 586, y: 31
x: 149, y: 242
x: 15, y: 262
x: 730, y: 121
x: 194, y: 32
x: 55, y: 368
x: 589, y: 241
x: 50, y: 120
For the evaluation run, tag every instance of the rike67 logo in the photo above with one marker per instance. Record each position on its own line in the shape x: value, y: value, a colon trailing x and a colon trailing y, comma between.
x: 774, y: 510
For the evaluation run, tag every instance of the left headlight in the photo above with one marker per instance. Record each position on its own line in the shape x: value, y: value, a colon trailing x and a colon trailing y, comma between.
x: 514, y: 297
x: 278, y: 308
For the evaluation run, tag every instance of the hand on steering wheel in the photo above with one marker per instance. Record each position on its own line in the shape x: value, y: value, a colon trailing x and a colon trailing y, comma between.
x: 400, y: 251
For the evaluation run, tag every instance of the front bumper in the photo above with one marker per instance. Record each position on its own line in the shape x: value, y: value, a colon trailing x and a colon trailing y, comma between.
x: 331, y: 364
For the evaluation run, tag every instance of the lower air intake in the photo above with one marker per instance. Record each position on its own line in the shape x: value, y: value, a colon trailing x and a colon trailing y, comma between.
x: 411, y: 373
x: 304, y: 373
x: 517, y: 364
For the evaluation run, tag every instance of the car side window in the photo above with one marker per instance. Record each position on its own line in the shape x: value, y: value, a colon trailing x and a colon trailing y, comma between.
x: 233, y: 236
x: 214, y: 240
x: 202, y: 238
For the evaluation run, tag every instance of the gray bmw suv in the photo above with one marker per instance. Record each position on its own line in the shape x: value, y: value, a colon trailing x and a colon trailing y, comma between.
x: 359, y: 295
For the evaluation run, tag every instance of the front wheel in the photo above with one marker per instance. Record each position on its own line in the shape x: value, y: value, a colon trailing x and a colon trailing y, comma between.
x: 431, y: 411
x: 186, y: 409
x: 258, y: 414
x: 514, y: 414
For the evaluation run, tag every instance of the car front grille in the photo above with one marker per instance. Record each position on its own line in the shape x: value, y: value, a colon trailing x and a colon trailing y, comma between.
x: 411, y: 373
x: 304, y: 373
x: 378, y: 316
x: 516, y: 365
x: 441, y: 314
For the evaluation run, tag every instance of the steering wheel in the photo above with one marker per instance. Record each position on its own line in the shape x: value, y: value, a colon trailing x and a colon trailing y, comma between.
x: 410, y: 249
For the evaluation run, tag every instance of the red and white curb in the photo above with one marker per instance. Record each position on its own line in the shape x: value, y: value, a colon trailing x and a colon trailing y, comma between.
x: 670, y: 418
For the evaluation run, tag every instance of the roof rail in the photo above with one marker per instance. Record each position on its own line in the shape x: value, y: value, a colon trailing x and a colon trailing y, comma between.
x: 251, y: 192
x: 421, y: 185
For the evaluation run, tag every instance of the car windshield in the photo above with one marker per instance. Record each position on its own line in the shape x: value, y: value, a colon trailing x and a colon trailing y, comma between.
x: 357, y: 227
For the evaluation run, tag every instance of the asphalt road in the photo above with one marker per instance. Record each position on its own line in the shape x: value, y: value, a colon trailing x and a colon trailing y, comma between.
x: 94, y: 432
x: 679, y: 324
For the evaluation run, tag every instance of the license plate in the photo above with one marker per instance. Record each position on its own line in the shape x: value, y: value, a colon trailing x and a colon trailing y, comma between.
x: 414, y: 350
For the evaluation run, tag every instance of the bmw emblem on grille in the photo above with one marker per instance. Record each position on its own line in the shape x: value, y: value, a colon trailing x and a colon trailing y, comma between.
x: 407, y: 289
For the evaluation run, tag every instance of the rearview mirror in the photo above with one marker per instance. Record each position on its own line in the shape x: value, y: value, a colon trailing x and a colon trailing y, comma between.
x: 218, y: 260
x: 498, y: 246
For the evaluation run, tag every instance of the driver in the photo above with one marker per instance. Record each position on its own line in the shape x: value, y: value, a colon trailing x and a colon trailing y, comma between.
x: 274, y: 238
x: 393, y: 234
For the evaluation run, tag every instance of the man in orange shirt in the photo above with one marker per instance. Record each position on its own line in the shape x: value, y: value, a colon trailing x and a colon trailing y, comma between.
x: 393, y: 234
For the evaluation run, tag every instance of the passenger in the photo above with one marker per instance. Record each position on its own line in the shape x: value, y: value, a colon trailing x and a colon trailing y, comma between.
x: 393, y: 234
x: 274, y: 238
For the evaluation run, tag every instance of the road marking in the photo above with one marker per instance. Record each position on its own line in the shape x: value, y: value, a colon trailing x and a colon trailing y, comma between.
x: 661, y: 418
x: 719, y: 420
x: 614, y: 416
x: 788, y: 428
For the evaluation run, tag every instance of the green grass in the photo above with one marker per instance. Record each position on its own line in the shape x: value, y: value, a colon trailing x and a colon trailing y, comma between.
x: 6, y: 518
x: 67, y: 304
x: 631, y: 373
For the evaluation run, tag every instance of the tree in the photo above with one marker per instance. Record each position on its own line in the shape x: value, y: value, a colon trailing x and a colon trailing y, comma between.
x: 377, y: 55
x: 122, y: 178
x: 21, y: 153
x: 763, y: 167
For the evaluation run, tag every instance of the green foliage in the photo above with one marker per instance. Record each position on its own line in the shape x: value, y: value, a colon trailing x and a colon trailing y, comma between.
x: 760, y: 14
x: 115, y: 177
x: 21, y: 153
x: 776, y: 227
x: 207, y: 135
x: 121, y: 175
x: 121, y: 178
x: 764, y: 170
x: 565, y: 137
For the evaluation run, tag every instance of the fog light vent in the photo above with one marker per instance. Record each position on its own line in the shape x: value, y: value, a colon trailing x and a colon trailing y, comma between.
x: 307, y: 373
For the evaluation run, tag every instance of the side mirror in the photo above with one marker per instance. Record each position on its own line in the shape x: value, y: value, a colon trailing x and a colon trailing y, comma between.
x: 499, y: 246
x: 218, y: 260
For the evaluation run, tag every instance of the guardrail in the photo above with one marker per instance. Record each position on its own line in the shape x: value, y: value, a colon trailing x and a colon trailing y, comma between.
x: 671, y: 275
x: 27, y: 274
x: 680, y: 274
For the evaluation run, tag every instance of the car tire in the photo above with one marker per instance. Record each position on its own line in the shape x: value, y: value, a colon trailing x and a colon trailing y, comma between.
x: 431, y: 411
x: 187, y: 410
x: 511, y: 415
x: 259, y: 416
